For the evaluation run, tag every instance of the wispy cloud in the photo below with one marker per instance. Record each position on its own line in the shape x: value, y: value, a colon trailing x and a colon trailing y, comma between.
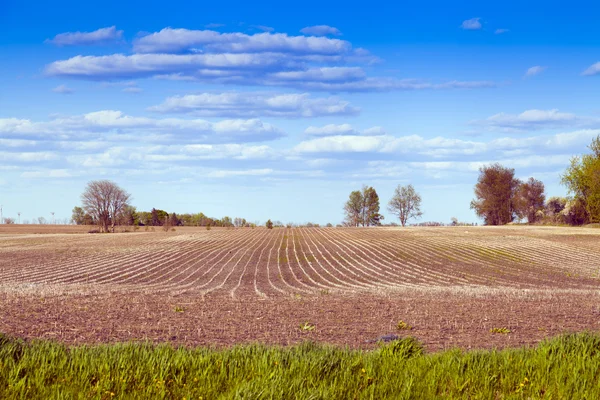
x: 99, y: 37
x: 132, y: 89
x: 342, y: 129
x: 213, y: 26
x: 535, y: 120
x: 593, y: 69
x: 535, y: 70
x: 255, y: 104
x: 110, y: 121
x: 471, y: 24
x: 63, y: 89
x: 500, y: 31
x: 264, y: 28
x: 321, y: 30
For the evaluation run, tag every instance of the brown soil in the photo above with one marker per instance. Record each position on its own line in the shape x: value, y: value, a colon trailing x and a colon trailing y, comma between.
x: 224, y: 287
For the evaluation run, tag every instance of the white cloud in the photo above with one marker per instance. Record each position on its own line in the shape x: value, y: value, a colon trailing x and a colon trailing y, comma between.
x: 16, y: 143
x: 471, y: 24
x: 132, y: 89
x: 342, y: 129
x: 98, y: 37
x: 255, y: 104
x: 264, y: 28
x: 171, y: 40
x: 110, y: 121
x: 37, y: 156
x: 535, y: 119
x: 593, y: 69
x: 62, y: 89
x: 234, y: 173
x: 441, y: 147
x: 262, y: 59
x: 321, y: 30
x: 536, y: 70
x: 501, y: 31
x: 47, y: 173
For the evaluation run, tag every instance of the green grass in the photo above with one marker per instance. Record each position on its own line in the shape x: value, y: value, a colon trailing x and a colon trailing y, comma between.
x: 563, y: 368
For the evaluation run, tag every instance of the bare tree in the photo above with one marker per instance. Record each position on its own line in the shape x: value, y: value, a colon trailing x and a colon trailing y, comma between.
x: 530, y: 200
x: 406, y: 203
x: 103, y: 200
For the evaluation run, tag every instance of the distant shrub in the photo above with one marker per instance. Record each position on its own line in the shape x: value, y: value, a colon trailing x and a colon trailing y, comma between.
x: 269, y: 224
x: 94, y: 231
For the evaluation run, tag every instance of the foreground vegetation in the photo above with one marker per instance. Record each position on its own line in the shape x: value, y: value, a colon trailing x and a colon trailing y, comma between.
x: 565, y: 367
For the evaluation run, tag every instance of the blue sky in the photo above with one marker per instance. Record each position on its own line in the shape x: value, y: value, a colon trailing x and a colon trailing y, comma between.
x: 268, y: 110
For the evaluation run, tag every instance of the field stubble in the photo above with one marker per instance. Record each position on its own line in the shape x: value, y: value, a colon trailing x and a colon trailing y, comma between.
x: 224, y: 286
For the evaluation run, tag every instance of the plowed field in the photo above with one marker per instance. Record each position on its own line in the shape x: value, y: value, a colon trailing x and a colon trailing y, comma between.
x: 223, y: 286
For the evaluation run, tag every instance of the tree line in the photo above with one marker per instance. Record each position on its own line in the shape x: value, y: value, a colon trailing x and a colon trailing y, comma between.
x: 500, y: 198
x: 105, y: 204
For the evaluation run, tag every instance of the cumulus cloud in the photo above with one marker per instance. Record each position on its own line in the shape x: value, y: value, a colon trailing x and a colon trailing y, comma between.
x: 63, y: 89
x: 593, y: 69
x: 170, y: 40
x: 342, y: 129
x: 255, y: 104
x: 110, y: 121
x: 471, y: 24
x: 266, y: 69
x: 536, y: 70
x: 321, y: 30
x: 99, y: 37
x: 263, y: 59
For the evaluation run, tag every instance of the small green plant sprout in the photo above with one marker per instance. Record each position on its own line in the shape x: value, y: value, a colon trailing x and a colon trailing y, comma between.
x: 403, y: 326
x: 502, y: 331
x: 307, y: 327
x: 179, y: 309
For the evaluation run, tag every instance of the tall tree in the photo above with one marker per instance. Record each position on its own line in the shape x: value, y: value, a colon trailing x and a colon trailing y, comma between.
x: 530, y: 199
x: 103, y: 200
x: 370, y: 207
x: 495, y: 194
x: 406, y: 203
x: 353, y: 208
x: 582, y: 178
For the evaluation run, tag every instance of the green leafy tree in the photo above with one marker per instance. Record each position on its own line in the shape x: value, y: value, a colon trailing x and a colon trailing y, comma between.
x: 582, y: 179
x: 370, y: 207
x: 353, y: 208
x: 406, y: 203
x: 495, y: 194
x: 78, y: 216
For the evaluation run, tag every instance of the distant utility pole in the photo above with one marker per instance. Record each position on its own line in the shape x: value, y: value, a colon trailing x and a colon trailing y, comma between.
x: 19, y: 214
x: 52, y: 218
